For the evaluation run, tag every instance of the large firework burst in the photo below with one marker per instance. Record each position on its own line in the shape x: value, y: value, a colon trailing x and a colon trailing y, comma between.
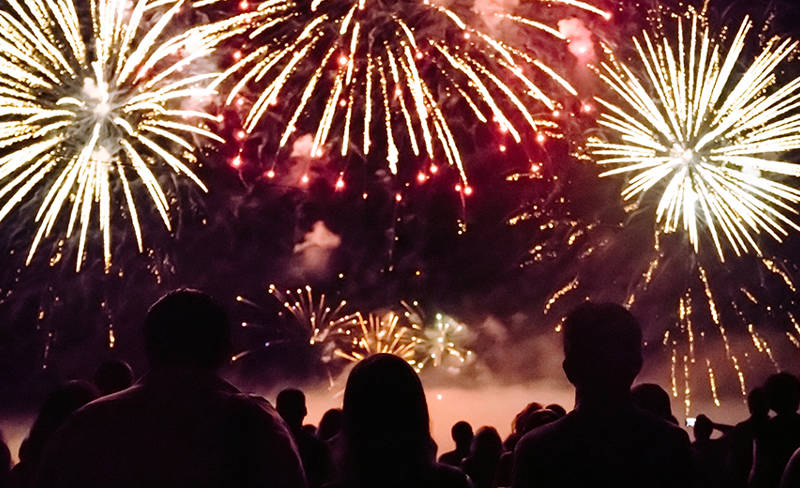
x: 94, y: 110
x: 697, y: 125
x: 388, y: 71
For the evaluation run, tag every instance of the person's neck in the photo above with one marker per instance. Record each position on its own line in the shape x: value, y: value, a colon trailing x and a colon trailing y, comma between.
x: 603, y: 399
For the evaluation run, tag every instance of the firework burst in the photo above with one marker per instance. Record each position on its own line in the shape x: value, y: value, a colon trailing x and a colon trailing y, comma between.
x: 375, y: 334
x: 381, y: 70
x: 94, y: 122
x: 696, y: 124
x: 441, y: 342
x: 314, y: 318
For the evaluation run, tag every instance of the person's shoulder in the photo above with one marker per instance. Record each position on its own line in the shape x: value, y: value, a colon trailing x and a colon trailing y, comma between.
x: 109, y: 406
x: 444, y: 476
x: 656, y: 427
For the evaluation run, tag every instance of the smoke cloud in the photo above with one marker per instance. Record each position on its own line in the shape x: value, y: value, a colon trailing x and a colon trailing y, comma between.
x: 312, y: 255
x: 579, y: 37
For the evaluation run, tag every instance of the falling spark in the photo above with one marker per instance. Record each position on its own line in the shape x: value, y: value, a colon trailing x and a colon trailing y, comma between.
x: 704, y: 138
x: 379, y: 71
x: 572, y: 285
x: 92, y: 122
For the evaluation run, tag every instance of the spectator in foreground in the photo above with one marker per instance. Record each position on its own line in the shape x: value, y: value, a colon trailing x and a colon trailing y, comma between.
x: 605, y: 441
x: 55, y: 411
x: 744, y: 434
x: 181, y: 425
x: 461, y: 432
x: 112, y: 376
x: 781, y: 435
x: 791, y: 475
x: 314, y: 453
x: 386, y: 430
x: 481, y: 464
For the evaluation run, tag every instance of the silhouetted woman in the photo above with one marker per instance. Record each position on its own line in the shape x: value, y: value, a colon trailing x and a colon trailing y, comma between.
x: 484, y: 458
x: 386, y: 430
x: 58, y: 406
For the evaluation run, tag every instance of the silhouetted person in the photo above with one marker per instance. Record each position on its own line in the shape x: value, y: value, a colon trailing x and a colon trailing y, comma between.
x: 461, y: 432
x: 708, y: 453
x: 781, y: 435
x: 386, y: 430
x: 55, y: 411
x: 517, y: 426
x: 791, y: 475
x: 525, y: 423
x: 181, y: 425
x: 605, y: 441
x: 557, y: 409
x: 5, y: 462
x: 481, y: 465
x: 291, y: 405
x: 112, y: 376
x: 330, y: 424
x: 740, y: 457
x: 654, y: 399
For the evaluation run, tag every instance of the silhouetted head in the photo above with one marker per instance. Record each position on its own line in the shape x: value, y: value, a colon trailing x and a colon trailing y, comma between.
x: 758, y: 402
x: 652, y: 398
x: 557, y: 409
x: 462, y: 434
x: 521, y: 418
x: 538, y: 419
x: 386, y: 423
x: 56, y: 409
x: 487, y: 444
x: 187, y: 329
x: 783, y: 390
x: 291, y: 405
x: 330, y: 424
x: 602, y: 348
x: 112, y: 376
x: 703, y: 427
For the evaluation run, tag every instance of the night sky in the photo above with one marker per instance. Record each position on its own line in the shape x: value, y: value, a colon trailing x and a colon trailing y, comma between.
x: 249, y: 231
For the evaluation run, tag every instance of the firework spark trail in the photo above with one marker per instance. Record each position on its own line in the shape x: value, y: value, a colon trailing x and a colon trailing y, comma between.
x: 90, y: 122
x: 312, y: 313
x: 382, y: 68
x: 704, y: 140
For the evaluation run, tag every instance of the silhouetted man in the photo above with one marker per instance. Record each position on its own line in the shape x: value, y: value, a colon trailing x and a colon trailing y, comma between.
x: 740, y: 458
x: 461, y: 433
x: 780, y: 437
x: 291, y: 405
x: 709, y: 454
x: 181, y: 425
x: 605, y: 441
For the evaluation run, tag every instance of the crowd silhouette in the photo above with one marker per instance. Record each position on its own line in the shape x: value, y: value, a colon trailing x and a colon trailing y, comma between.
x: 182, y: 425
